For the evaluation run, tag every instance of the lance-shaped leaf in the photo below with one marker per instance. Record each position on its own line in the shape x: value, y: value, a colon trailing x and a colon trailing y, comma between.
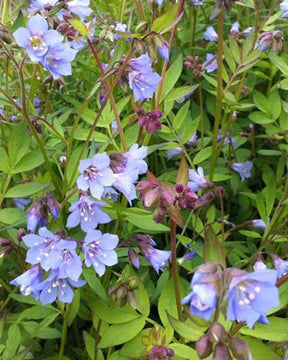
x: 213, y: 249
x: 183, y: 172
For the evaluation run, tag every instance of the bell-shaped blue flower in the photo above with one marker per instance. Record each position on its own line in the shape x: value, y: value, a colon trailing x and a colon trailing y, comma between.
x: 251, y: 295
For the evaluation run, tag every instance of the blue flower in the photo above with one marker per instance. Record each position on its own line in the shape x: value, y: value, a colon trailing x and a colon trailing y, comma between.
x: 228, y: 139
x: 244, y: 169
x: 198, y: 180
x: 174, y: 152
x: 284, y: 9
x: 136, y: 163
x: 67, y: 262
x: 258, y: 224
x: 197, y: 2
x: 58, y: 60
x: 55, y: 287
x: 210, y: 34
x: 42, y: 248
x: 251, y: 295
x: 142, y: 79
x: 41, y: 4
x: 95, y: 174
x: 164, y: 51
x: 160, y: 2
x: 280, y: 265
x: 87, y: 213
x: 121, y: 28
x: 21, y: 202
x: 99, y: 250
x: 158, y: 258
x: 80, y: 8
x: 203, y: 298
x: 29, y: 281
x: 235, y: 28
x: 36, y: 38
x: 210, y: 63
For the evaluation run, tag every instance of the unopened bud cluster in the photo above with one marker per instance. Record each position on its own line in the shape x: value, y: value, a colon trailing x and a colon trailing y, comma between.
x: 123, y: 292
x: 150, y: 120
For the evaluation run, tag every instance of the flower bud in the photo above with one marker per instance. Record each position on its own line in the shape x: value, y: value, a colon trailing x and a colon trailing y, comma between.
x: 217, y: 333
x: 221, y: 352
x: 142, y: 27
x: 20, y: 234
x: 204, y: 347
x: 131, y: 299
x: 240, y: 349
x: 179, y: 188
x: 134, y: 258
x: 52, y: 205
x: 167, y: 199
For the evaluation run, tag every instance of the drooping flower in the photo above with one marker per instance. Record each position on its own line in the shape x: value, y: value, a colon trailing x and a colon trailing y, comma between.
x: 21, y: 202
x: 157, y: 258
x: 99, y: 250
x: 258, y: 224
x: 228, y: 139
x: 136, y: 162
x: 36, y: 38
x: 87, y: 213
x: 142, y: 79
x: 58, y: 60
x: 210, y: 64
x: 174, y: 152
x: 55, y: 287
x: 280, y: 265
x: 95, y: 174
x: 284, y: 9
x: 247, y: 31
x: 80, y: 8
x: 271, y: 40
x: 42, y: 249
x: 41, y: 4
x: 150, y: 120
x: 243, y: 169
x: 164, y: 51
x: 251, y: 295
x: 198, y: 181
x: 121, y: 28
x: 210, y: 34
x: 203, y: 298
x: 235, y: 28
x: 29, y: 281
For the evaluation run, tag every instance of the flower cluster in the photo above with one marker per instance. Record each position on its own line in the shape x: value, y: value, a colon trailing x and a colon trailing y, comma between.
x: 45, y: 46
x: 150, y: 120
x: 249, y: 296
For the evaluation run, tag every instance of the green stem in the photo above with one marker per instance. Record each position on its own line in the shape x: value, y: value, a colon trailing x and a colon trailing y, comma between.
x: 140, y: 9
x: 97, y: 337
x: 124, y: 2
x: 174, y: 270
x: 110, y: 95
x: 4, y: 10
x: 219, y: 95
x: 5, y: 187
x: 64, y: 334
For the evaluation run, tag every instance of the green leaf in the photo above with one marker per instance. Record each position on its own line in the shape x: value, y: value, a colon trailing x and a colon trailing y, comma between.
x: 181, y: 92
x: 49, y: 333
x: 229, y: 58
x: 79, y: 26
x: 142, y: 299
x: 26, y: 189
x: 13, y: 340
x: 74, y: 307
x: 181, y: 116
x: 278, y: 62
x: 10, y: 215
x: 121, y: 333
x: 274, y: 105
x: 213, y: 249
x: 4, y: 163
x: 89, y: 344
x: 184, y: 351
x: 44, y: 324
x: 112, y: 314
x: 94, y: 283
x: 171, y: 77
x: 261, y: 207
x: 144, y: 221
x: 82, y: 134
x: 187, y: 330
x: 261, y: 118
x: 202, y: 155
x: 162, y: 22
x: 259, y: 350
x: 252, y: 234
x: 167, y: 301
x: 30, y: 161
x: 277, y: 330
x: 37, y: 312
x: 18, y: 143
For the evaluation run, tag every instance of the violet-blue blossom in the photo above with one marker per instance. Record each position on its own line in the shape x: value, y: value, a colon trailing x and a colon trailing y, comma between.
x: 80, y: 8
x: 41, y: 4
x: 235, y: 28
x: 197, y: 2
x: 258, y: 224
x: 198, y: 181
x: 243, y: 169
x: 174, y: 152
x: 87, y: 213
x: 99, y: 250
x: 95, y: 174
x: 42, y: 248
x: 160, y: 2
x: 124, y: 183
x: 164, y: 51
x: 136, y: 162
x: 142, y: 79
x: 37, y: 215
x: 158, y: 258
x: 247, y: 31
x: 228, y: 139
x: 210, y: 64
x: 210, y: 34
x: 21, y: 202
x: 251, y: 295
x: 29, y: 281
x: 280, y: 265
x: 203, y: 298
x: 284, y: 9
x: 36, y: 38
x: 58, y: 60
x: 121, y: 28
x: 55, y: 287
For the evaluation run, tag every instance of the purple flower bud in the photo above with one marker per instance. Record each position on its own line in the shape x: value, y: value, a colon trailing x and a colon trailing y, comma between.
x: 167, y: 199
x: 204, y: 347
x: 52, y: 205
x: 240, y: 349
x: 134, y: 258
x: 221, y: 352
x: 198, y: 181
x: 217, y: 333
x: 235, y: 29
x: 243, y: 169
x: 210, y: 64
x: 280, y: 265
x: 284, y: 9
x: 164, y: 51
x: 36, y: 215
